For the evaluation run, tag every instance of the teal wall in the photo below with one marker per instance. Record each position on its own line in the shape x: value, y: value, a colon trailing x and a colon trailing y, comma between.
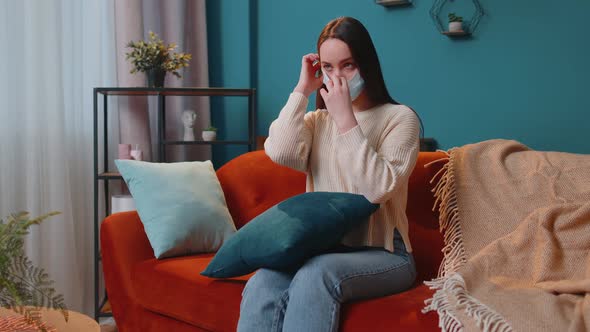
x: 524, y: 75
x: 230, y: 65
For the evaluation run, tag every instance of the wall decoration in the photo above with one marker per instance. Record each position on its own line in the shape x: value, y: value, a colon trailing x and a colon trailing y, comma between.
x: 455, y: 23
x: 457, y: 27
x: 394, y: 3
x: 188, y: 121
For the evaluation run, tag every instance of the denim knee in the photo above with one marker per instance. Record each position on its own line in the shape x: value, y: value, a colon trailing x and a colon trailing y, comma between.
x: 316, y: 276
x: 264, y: 299
x: 262, y: 279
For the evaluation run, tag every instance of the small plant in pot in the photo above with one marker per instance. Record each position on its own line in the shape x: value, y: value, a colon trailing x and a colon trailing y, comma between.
x: 455, y: 23
x: 156, y: 59
x: 209, y: 133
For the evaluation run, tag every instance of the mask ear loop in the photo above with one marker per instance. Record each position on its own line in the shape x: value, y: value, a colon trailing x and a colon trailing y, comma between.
x: 318, y: 72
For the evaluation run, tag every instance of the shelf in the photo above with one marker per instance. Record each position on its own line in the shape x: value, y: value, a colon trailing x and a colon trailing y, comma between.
x: 142, y: 91
x: 204, y: 142
x: 128, y: 92
x: 393, y: 3
x: 456, y: 33
x: 206, y: 92
x: 109, y: 175
x: 100, y: 134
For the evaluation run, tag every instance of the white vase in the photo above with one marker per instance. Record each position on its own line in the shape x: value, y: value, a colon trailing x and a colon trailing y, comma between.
x: 455, y: 26
x: 209, y: 135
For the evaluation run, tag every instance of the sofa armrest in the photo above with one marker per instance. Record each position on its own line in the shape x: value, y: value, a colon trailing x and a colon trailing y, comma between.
x: 123, y: 244
x: 420, y: 195
x: 427, y: 241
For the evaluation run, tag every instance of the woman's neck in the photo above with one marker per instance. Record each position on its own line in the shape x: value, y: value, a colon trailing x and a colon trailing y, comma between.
x: 362, y: 103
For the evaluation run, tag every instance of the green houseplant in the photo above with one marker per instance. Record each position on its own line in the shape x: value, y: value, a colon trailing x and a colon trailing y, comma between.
x: 209, y: 133
x: 156, y: 59
x: 24, y: 288
x: 455, y: 23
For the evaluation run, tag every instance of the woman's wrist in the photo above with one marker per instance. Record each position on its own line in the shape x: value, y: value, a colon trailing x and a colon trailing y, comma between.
x: 347, y: 124
x: 301, y: 90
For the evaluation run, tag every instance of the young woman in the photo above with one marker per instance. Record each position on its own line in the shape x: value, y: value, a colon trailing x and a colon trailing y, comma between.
x: 359, y: 140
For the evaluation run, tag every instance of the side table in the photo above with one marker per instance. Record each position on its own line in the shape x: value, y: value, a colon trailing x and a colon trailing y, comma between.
x: 53, y: 319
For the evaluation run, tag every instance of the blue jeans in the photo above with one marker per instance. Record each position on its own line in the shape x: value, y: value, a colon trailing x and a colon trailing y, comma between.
x: 309, y: 298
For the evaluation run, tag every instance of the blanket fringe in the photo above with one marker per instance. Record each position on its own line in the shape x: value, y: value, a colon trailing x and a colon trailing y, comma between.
x: 446, y: 201
x: 454, y: 285
x: 440, y: 303
x: 448, y: 281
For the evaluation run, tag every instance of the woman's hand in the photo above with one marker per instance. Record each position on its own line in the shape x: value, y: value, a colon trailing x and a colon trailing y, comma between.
x: 308, y: 82
x: 338, y: 103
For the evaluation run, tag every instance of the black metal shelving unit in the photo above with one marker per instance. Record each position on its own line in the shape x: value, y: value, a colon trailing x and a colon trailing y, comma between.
x: 105, y: 175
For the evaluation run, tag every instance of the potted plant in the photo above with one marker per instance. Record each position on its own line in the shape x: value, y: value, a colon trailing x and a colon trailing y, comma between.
x: 209, y: 133
x: 156, y: 59
x: 455, y: 23
x: 24, y: 288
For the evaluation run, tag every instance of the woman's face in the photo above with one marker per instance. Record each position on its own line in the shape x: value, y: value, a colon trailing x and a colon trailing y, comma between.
x: 336, y: 59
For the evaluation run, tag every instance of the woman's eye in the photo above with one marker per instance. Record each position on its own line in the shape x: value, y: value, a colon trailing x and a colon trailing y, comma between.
x: 349, y: 65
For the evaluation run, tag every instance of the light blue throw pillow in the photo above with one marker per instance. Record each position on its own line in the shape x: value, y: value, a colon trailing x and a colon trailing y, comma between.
x: 181, y: 206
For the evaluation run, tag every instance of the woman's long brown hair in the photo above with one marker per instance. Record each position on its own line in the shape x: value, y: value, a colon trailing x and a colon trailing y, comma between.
x: 355, y: 35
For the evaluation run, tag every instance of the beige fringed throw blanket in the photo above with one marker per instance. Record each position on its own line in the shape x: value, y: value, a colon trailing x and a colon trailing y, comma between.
x: 516, y: 224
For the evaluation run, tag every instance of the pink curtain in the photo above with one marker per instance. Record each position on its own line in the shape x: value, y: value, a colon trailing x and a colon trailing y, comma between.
x: 184, y: 23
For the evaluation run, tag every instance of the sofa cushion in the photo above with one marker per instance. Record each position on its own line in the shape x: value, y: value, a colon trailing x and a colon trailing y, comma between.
x: 174, y: 288
x: 398, y: 312
x: 181, y: 205
x: 287, y: 234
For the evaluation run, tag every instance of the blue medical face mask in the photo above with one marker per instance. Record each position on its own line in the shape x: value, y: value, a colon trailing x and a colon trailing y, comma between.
x: 355, y: 85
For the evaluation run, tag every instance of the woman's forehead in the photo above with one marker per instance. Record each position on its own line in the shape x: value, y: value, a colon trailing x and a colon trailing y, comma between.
x: 334, y: 50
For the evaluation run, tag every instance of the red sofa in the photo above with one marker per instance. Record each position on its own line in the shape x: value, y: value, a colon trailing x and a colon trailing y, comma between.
x: 147, y: 294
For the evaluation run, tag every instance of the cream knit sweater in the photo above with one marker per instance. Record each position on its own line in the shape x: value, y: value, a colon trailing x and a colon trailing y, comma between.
x: 374, y: 159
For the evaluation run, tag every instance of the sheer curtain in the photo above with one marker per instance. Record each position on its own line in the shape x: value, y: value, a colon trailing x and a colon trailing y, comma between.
x: 53, y: 53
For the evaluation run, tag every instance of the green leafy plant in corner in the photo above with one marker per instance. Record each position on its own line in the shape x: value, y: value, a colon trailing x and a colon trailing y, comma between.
x: 154, y: 54
x: 24, y: 288
x: 210, y: 128
x: 455, y: 18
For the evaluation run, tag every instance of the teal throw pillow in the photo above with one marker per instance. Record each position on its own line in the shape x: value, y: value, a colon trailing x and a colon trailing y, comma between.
x: 290, y: 232
x: 181, y: 206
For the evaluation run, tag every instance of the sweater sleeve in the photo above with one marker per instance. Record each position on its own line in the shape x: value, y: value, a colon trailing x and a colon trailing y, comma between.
x: 290, y: 135
x: 379, y: 173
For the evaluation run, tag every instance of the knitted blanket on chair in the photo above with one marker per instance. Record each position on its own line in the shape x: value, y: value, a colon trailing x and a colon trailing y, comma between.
x: 516, y: 225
